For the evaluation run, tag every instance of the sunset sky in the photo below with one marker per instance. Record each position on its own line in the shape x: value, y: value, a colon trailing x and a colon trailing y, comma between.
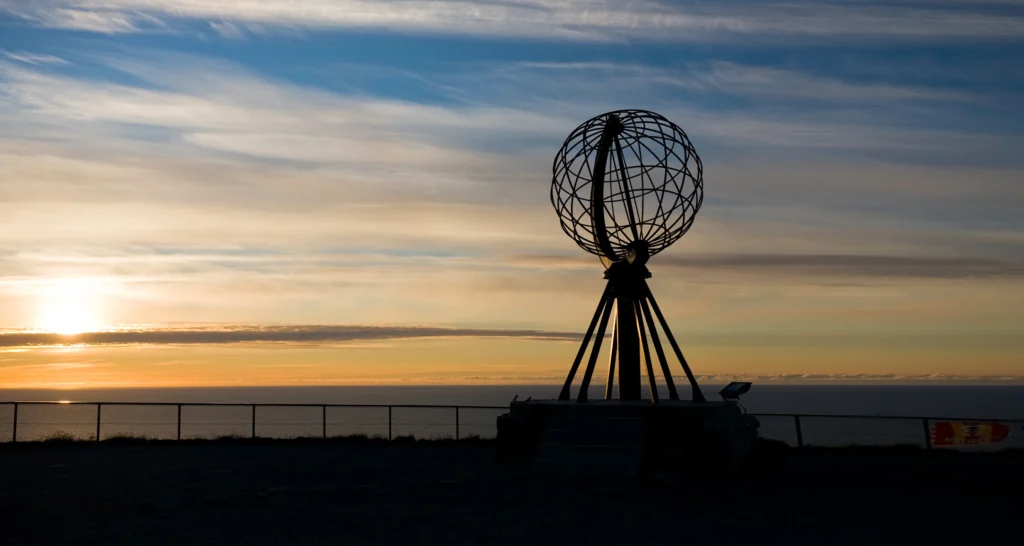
x: 315, y: 192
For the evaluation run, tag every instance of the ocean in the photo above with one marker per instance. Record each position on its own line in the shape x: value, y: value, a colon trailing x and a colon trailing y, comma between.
x: 940, y: 403
x: 968, y: 401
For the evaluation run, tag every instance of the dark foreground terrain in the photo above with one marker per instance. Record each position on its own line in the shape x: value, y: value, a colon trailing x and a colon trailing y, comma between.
x: 453, y: 494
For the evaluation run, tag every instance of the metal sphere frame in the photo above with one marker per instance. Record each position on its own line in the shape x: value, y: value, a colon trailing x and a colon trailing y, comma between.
x: 626, y: 185
x: 642, y: 169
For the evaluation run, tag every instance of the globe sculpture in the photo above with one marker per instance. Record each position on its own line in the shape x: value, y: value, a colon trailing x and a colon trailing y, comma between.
x: 626, y: 185
x: 642, y: 172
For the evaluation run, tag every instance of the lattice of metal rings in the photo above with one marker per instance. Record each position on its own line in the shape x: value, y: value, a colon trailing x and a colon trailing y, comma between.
x: 653, y: 183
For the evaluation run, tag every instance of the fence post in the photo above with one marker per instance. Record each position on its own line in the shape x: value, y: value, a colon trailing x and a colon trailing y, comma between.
x: 324, y: 418
x: 99, y: 410
x: 456, y: 422
x: 254, y: 420
x: 389, y: 423
x: 14, y: 432
x: 927, y: 434
x: 179, y: 422
x: 799, y: 431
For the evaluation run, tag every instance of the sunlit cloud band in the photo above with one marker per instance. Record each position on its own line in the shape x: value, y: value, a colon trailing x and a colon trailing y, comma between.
x: 270, y: 334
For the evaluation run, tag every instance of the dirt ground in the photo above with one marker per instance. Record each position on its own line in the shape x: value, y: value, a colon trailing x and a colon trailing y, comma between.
x: 310, y: 494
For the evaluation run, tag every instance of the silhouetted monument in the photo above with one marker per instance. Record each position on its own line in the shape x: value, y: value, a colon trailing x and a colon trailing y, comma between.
x: 626, y: 185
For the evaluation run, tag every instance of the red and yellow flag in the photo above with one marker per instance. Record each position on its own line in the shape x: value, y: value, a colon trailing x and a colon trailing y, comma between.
x: 968, y: 433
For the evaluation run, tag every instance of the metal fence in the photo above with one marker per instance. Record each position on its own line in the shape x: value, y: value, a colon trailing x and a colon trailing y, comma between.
x: 802, y: 430
x: 35, y: 421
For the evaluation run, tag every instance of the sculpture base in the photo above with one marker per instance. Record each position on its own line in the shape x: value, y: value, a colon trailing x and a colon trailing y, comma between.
x: 625, y: 438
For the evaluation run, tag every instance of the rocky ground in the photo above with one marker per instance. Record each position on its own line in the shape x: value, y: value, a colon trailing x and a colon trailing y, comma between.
x: 452, y: 494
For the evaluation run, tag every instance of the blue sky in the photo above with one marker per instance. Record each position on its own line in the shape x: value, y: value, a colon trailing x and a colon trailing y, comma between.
x: 331, y: 162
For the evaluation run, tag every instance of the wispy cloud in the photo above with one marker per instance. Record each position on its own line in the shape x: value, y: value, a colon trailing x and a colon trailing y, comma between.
x: 220, y: 106
x: 860, y: 377
x: 575, y: 19
x: 185, y: 182
x: 756, y: 107
x: 56, y: 366
x: 228, y: 30
x: 762, y: 82
x: 267, y: 334
x: 105, y: 21
x: 32, y: 58
x: 784, y: 378
x: 812, y: 265
x: 854, y: 265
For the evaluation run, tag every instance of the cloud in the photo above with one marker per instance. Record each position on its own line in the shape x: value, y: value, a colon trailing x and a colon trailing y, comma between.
x: 762, y: 81
x: 267, y: 334
x: 391, y: 199
x: 819, y: 265
x: 222, y: 107
x: 858, y: 377
x: 209, y: 132
x: 780, y: 110
x: 574, y: 19
x: 105, y: 21
x: 56, y: 366
x: 854, y: 265
x: 32, y: 58
x: 498, y: 116
x: 175, y: 183
x: 714, y: 76
x: 782, y: 378
x: 228, y: 30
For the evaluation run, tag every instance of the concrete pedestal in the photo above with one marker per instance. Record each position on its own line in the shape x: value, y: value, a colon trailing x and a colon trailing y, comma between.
x: 625, y: 438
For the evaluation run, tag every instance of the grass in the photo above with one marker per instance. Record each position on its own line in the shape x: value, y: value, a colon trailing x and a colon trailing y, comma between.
x: 62, y: 437
x: 126, y: 438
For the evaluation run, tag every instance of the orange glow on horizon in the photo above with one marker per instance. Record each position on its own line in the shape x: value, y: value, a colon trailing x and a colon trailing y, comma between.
x: 482, y: 362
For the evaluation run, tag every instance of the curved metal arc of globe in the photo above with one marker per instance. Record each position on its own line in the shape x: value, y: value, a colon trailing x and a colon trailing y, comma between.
x: 627, y: 191
x: 612, y: 129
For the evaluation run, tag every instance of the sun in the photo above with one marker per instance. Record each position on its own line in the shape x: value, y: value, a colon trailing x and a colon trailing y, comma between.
x: 68, y: 307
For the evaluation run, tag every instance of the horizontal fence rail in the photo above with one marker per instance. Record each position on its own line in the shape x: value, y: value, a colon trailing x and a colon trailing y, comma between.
x: 97, y: 421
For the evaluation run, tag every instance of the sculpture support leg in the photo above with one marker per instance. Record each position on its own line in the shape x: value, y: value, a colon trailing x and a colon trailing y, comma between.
x: 585, y: 385
x: 635, y: 311
x: 697, y: 395
x: 652, y: 385
x: 629, y: 350
x: 611, y: 360
x: 564, y: 395
x: 656, y: 341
